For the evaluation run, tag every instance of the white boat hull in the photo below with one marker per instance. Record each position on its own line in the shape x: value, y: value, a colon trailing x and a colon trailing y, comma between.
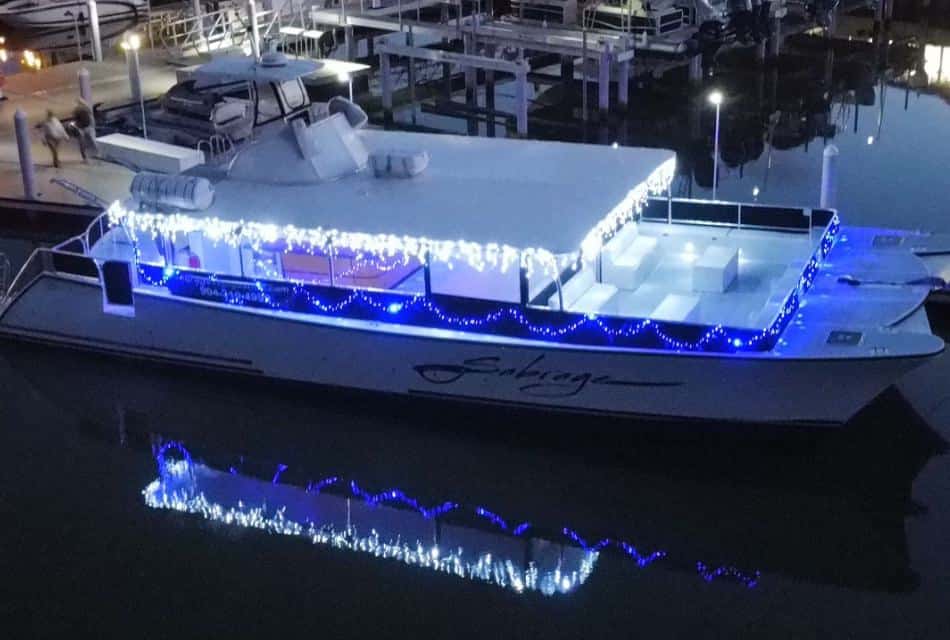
x: 50, y: 15
x: 758, y: 389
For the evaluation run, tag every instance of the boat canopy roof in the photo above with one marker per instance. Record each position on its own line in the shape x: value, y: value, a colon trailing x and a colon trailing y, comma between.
x: 272, y: 67
x: 477, y: 197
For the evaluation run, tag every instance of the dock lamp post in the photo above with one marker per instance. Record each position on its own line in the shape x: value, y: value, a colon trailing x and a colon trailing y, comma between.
x: 715, y: 99
x: 131, y: 45
x: 75, y: 17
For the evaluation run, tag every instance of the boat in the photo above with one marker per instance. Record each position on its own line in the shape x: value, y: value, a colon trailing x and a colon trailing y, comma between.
x: 537, y: 275
x: 45, y: 14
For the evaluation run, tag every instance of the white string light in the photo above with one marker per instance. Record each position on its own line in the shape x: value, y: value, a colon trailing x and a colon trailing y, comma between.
x: 494, y: 256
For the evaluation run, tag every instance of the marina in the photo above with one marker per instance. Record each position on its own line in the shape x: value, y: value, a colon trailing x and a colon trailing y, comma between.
x: 540, y: 309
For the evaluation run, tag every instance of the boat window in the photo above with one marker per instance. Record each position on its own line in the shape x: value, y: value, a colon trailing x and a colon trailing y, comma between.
x: 294, y: 95
x: 268, y: 105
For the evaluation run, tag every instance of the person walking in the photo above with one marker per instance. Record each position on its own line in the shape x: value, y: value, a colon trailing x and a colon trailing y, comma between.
x: 85, y: 125
x: 53, y: 135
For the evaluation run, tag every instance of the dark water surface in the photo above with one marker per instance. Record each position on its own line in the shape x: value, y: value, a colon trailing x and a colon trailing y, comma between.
x: 793, y: 534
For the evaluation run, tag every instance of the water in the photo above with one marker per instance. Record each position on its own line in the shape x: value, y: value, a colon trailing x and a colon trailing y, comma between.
x: 762, y: 533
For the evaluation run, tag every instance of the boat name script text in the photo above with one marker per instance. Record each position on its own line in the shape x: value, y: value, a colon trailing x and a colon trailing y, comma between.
x: 534, y: 379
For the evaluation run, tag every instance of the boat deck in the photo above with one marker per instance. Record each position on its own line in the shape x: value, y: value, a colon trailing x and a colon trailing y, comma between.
x: 769, y: 265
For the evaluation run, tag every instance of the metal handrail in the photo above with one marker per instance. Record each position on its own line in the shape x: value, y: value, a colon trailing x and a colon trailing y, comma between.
x: 181, y: 30
x: 31, y: 269
x: 219, y: 146
x: 4, y: 272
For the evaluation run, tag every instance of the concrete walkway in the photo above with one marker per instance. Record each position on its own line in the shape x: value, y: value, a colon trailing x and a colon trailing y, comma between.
x: 57, y: 88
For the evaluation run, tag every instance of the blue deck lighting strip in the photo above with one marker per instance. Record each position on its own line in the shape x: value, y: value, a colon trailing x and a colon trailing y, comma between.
x: 487, y: 317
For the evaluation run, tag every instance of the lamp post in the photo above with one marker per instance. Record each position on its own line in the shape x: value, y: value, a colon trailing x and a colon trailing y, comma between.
x: 715, y: 98
x: 131, y: 45
x: 75, y: 17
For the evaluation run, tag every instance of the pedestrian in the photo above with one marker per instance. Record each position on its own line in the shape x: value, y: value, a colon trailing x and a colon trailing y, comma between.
x: 53, y: 135
x: 85, y: 125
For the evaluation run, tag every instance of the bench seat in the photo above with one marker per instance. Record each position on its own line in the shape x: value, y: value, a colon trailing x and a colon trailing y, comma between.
x: 629, y: 269
x: 582, y: 293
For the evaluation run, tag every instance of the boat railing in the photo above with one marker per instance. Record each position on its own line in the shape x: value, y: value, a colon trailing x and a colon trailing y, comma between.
x: 4, y: 272
x: 50, y: 261
x: 218, y: 148
x: 743, y: 215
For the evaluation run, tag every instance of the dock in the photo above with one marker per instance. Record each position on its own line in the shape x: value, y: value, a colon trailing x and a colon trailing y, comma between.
x: 440, y: 57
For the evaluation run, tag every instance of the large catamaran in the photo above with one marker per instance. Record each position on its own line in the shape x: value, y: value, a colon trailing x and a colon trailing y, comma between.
x: 547, y: 275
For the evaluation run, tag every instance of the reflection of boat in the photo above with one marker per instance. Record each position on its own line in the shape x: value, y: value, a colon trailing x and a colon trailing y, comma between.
x: 580, y: 297
x: 41, y: 14
x: 369, y: 523
x: 785, y: 503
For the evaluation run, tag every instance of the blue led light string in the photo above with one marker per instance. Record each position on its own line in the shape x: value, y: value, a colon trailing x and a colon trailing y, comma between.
x: 626, y: 547
x: 395, y: 495
x: 317, y: 487
x: 498, y: 521
x: 750, y: 580
x: 406, y: 309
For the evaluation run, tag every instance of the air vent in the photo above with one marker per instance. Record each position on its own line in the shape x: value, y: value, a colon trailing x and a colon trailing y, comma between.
x: 845, y: 338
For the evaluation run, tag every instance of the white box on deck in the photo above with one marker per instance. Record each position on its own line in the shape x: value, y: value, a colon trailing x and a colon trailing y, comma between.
x: 149, y: 155
x: 630, y: 267
x: 716, y: 269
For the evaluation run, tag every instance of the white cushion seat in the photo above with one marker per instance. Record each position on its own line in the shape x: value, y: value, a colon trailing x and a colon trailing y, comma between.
x: 595, y: 298
x: 716, y: 269
x: 583, y: 293
x: 621, y: 240
x: 677, y: 307
x: 630, y: 268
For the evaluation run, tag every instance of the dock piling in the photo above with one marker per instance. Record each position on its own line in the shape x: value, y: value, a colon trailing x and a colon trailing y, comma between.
x: 775, y: 38
x: 25, y: 150
x: 85, y: 85
x: 603, y: 82
x: 567, y: 69
x: 696, y: 70
x: 521, y: 115
x: 623, y: 83
x: 386, y: 80
x: 829, y: 177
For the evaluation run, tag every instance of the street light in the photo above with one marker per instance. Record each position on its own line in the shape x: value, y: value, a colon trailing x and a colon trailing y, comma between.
x: 131, y: 45
x: 75, y: 17
x: 715, y: 98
